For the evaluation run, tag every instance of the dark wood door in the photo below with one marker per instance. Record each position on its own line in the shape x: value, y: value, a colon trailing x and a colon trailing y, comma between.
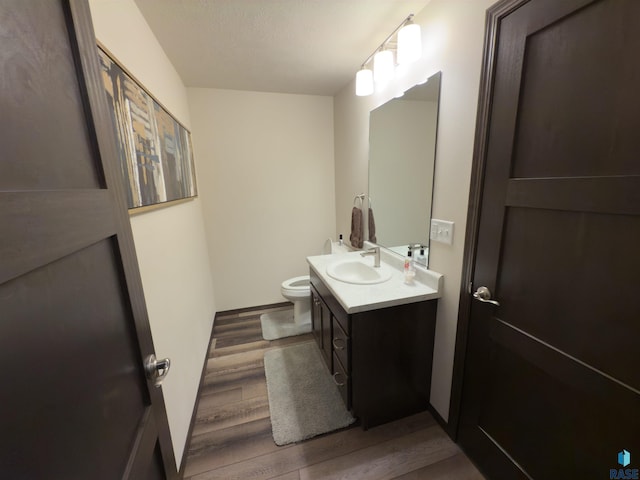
x: 551, y: 384
x: 73, y: 324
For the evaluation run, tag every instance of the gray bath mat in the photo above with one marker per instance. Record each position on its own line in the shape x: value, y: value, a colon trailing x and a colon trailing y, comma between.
x: 303, y: 400
x: 280, y: 324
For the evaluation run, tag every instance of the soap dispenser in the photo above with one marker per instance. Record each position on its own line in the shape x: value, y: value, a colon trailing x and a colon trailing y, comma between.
x: 409, y: 268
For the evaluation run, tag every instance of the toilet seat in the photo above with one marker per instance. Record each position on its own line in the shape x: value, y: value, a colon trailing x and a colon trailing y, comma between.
x: 297, y: 287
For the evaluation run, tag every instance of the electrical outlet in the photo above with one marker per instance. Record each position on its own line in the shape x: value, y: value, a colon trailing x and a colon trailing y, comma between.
x: 441, y: 231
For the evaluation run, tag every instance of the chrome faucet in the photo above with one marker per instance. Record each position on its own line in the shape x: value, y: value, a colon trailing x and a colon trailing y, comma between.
x: 373, y: 251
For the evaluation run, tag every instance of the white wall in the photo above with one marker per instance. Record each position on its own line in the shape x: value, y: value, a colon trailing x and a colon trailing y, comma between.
x: 266, y: 177
x: 453, y: 35
x: 170, y: 242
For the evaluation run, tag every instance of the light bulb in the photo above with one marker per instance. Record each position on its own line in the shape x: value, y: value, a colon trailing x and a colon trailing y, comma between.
x: 383, y: 66
x: 409, y: 43
x: 364, y: 82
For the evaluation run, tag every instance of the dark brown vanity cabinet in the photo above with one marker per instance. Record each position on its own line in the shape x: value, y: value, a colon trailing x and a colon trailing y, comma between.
x: 321, y: 325
x: 379, y: 359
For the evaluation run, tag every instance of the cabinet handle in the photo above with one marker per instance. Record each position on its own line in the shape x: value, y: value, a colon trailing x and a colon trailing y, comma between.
x: 336, y: 346
x: 336, y: 381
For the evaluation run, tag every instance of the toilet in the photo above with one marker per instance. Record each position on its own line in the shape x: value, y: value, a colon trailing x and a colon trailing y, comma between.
x: 297, y: 291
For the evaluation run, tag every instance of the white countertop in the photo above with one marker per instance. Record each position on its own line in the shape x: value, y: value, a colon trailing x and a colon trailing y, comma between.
x: 354, y: 298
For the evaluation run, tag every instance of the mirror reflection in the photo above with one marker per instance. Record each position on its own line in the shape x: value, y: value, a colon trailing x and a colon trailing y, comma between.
x: 402, y: 145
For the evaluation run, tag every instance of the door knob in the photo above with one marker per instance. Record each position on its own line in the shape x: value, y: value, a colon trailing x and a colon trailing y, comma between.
x: 484, y: 295
x: 156, y: 370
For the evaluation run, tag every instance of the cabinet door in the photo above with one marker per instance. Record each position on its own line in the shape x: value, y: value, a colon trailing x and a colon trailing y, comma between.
x: 326, y: 334
x: 321, y: 326
x: 316, y: 318
x: 342, y: 381
x: 341, y: 344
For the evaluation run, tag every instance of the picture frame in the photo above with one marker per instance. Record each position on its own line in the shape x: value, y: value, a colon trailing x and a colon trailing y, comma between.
x: 155, y: 153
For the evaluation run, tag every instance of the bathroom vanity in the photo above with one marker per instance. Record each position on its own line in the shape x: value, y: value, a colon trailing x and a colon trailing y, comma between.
x: 376, y: 340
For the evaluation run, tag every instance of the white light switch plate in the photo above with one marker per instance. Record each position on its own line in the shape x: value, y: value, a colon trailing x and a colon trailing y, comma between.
x: 441, y: 231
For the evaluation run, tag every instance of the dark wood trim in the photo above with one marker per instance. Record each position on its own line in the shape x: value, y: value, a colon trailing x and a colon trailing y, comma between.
x: 50, y: 214
x: 618, y: 195
x: 494, y: 16
x: 187, y: 446
x: 567, y: 369
x: 80, y: 28
x: 144, y: 446
x: 441, y: 421
x: 237, y: 311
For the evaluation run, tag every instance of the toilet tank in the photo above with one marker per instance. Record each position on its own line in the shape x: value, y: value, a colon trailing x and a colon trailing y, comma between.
x: 334, y: 247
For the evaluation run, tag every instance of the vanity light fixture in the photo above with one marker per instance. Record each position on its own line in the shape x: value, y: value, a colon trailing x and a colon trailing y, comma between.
x: 408, y: 48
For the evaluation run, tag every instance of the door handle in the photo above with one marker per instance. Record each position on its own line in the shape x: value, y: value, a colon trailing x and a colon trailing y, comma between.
x: 483, y: 294
x: 156, y: 370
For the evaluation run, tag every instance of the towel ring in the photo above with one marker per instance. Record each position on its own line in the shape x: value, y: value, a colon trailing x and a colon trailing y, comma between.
x: 370, y: 203
x: 361, y: 197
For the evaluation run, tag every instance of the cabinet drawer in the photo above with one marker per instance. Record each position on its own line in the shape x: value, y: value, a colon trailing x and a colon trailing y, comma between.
x: 342, y: 318
x: 340, y: 344
x: 342, y: 381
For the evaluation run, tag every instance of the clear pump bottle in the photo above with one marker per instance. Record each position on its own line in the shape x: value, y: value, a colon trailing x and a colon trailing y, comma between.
x: 409, y: 268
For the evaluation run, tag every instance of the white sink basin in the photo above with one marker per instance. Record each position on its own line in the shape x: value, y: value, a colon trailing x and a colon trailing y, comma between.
x: 358, y: 272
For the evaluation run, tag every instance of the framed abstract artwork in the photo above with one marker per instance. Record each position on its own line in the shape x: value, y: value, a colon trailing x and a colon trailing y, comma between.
x: 154, y: 150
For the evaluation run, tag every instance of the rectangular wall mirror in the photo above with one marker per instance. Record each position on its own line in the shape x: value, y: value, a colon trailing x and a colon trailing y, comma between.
x: 402, y: 147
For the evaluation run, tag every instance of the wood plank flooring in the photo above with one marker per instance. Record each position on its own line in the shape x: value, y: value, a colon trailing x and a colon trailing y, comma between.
x: 232, y: 436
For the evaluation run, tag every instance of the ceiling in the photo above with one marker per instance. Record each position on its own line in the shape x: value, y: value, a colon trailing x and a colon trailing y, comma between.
x: 309, y: 47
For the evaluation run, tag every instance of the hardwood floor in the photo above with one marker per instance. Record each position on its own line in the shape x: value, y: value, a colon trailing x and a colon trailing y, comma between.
x: 232, y: 436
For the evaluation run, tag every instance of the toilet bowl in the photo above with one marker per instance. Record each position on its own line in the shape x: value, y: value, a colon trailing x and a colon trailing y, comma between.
x: 297, y: 291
